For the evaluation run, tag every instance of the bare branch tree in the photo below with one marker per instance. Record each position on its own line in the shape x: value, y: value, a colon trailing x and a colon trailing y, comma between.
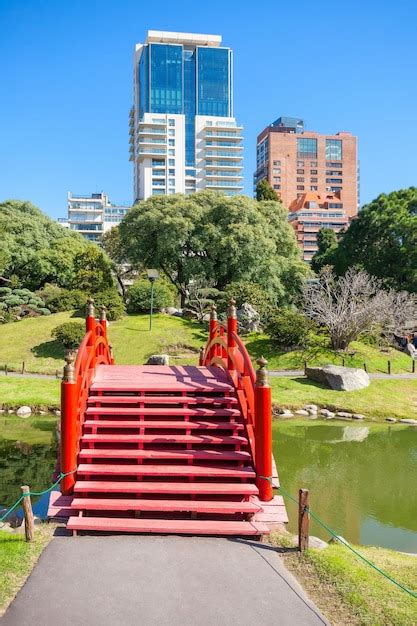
x: 353, y: 304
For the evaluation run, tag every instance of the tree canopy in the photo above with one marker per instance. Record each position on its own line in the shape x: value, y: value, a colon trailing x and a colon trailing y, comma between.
x: 264, y: 191
x: 217, y: 238
x: 383, y: 240
x: 36, y: 250
x: 326, y: 246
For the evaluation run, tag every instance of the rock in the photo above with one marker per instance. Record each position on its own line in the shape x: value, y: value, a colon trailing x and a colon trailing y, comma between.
x: 41, y: 412
x: 312, y: 411
x: 189, y: 314
x: 11, y: 411
x: 343, y: 414
x: 7, y: 528
x: 318, y: 544
x: 339, y: 378
x: 171, y: 310
x: 57, y: 412
x: 390, y: 419
x: 327, y: 413
x: 286, y: 412
x: 408, y: 420
x: 249, y: 318
x: 338, y: 539
x: 24, y: 411
x: 302, y: 412
x: 158, y: 359
x: 179, y: 313
x: 358, y: 416
x: 311, y: 407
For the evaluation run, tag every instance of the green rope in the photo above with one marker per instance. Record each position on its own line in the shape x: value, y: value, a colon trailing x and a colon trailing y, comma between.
x: 35, y: 493
x: 341, y: 540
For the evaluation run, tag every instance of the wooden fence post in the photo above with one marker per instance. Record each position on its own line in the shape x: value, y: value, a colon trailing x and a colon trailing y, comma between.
x: 28, y: 513
x: 389, y: 367
x: 263, y: 433
x: 23, y: 367
x: 5, y: 369
x: 413, y: 369
x: 303, y: 519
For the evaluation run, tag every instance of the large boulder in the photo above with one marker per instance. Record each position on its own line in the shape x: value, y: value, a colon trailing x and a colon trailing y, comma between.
x: 248, y: 318
x: 24, y: 411
x: 158, y: 359
x: 339, y: 378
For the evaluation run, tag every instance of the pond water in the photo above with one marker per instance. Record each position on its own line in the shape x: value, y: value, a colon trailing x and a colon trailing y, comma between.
x: 362, y: 479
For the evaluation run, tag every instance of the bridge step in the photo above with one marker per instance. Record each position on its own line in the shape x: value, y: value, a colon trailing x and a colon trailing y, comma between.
x: 110, y: 469
x: 180, y: 527
x: 180, y: 387
x: 163, y: 411
x: 104, y: 486
x: 166, y: 439
x: 163, y: 424
x: 189, y: 506
x: 183, y: 455
x: 152, y: 399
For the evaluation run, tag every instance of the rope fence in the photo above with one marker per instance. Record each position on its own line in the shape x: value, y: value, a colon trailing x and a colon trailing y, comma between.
x: 347, y: 545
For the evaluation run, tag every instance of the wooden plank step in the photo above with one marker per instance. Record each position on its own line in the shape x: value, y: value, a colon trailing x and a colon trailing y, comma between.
x: 160, y: 424
x: 165, y: 411
x: 93, y: 400
x: 194, y: 506
x: 167, y: 439
x: 111, y: 469
x: 178, y: 387
x: 180, y: 527
x: 198, y: 455
x: 104, y: 486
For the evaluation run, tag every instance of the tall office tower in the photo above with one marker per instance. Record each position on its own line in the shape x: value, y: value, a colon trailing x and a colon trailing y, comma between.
x: 314, y: 175
x: 183, y: 136
x: 92, y: 215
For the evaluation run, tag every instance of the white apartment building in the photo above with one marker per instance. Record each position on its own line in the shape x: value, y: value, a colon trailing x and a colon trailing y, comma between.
x: 93, y: 215
x: 183, y: 136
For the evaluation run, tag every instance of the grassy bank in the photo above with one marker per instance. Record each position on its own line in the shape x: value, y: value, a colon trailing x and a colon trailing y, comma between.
x: 349, y: 592
x: 17, y: 559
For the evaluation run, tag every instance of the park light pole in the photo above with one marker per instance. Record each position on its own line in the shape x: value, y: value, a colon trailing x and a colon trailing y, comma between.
x: 153, y: 275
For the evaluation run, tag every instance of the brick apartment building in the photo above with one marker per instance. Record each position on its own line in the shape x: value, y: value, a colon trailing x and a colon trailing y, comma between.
x: 309, y: 169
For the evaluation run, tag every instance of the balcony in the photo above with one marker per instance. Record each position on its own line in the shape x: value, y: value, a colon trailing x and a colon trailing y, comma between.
x: 226, y: 144
x: 233, y: 156
x: 226, y: 184
x: 149, y: 152
x: 229, y: 126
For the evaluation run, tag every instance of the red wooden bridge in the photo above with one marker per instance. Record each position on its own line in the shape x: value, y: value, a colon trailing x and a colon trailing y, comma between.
x: 161, y: 449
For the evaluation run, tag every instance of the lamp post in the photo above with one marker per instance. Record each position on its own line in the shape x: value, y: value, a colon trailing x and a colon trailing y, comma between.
x: 153, y: 275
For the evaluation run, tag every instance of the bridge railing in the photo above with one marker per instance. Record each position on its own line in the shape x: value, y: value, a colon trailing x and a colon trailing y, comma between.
x: 78, y: 374
x: 226, y: 349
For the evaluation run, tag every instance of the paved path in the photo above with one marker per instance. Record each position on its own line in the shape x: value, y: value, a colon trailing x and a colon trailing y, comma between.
x: 293, y: 373
x: 156, y: 580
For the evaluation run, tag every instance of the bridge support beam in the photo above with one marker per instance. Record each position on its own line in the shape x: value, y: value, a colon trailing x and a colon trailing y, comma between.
x: 69, y: 434
x: 263, y: 433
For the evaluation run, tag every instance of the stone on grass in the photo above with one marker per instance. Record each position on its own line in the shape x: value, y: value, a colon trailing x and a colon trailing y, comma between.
x: 24, y: 411
x: 249, y: 318
x: 311, y: 407
x: 408, y: 420
x: 315, y: 542
x: 343, y: 414
x: 171, y: 310
x: 57, y: 412
x: 158, y: 359
x: 339, y: 378
x: 302, y: 413
x: 358, y: 416
x: 327, y: 413
x: 390, y: 419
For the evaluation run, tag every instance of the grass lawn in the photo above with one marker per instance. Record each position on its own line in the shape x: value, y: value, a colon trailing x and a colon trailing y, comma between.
x: 349, y: 592
x: 32, y: 391
x: 383, y: 398
x: 30, y: 341
x: 17, y: 559
x: 359, y: 353
x: 37, y: 429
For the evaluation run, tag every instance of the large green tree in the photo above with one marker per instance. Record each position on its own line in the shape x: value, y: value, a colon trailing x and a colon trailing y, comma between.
x: 383, y: 240
x: 36, y: 250
x: 326, y: 246
x: 264, y: 191
x: 217, y: 238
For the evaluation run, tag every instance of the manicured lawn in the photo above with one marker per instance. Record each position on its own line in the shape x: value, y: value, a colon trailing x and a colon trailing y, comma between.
x: 17, y: 559
x: 383, y: 398
x: 375, y: 359
x: 30, y: 341
x: 32, y: 391
x: 36, y: 429
x: 350, y: 592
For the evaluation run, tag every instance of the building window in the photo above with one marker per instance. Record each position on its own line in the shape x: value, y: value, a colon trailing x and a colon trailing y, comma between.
x: 314, y: 180
x: 300, y: 171
x: 300, y: 187
x: 213, y: 81
x: 171, y: 151
x: 171, y: 131
x: 313, y: 172
x: 277, y: 162
x: 277, y: 186
x: 334, y: 180
x: 334, y: 173
x: 313, y: 164
x: 299, y: 195
x: 307, y: 148
x: 300, y: 163
x: 276, y: 170
x: 277, y: 179
x: 300, y: 180
x: 334, y: 149
x: 171, y: 172
x: 171, y: 161
x: 331, y: 164
x: 171, y: 142
x: 171, y: 122
x: 313, y: 188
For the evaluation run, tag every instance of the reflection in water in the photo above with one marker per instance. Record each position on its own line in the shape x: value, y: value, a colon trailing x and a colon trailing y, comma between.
x: 370, y: 475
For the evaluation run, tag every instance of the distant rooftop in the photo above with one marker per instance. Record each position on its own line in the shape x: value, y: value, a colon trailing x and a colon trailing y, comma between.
x: 289, y: 122
x: 191, y: 39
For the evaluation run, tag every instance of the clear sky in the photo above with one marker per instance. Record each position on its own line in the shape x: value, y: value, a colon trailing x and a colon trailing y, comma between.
x: 66, y: 84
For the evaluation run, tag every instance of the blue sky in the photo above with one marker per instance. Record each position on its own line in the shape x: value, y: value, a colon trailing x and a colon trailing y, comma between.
x: 66, y: 84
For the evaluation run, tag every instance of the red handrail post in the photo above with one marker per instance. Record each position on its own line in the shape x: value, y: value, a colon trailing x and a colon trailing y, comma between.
x: 263, y: 433
x: 231, y: 329
x: 213, y: 326
x: 90, y: 325
x: 69, y: 432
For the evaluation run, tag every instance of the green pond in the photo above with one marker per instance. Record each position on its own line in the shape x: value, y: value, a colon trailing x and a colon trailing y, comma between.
x: 362, y: 479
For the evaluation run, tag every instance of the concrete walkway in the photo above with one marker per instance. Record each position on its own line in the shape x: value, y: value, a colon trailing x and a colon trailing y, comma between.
x: 295, y: 373
x: 156, y: 580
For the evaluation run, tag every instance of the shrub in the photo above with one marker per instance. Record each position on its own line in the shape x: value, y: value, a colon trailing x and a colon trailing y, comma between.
x: 5, y: 291
x: 288, y: 328
x: 139, y: 296
x: 18, y: 303
x: 112, y: 300
x: 58, y: 299
x: 249, y: 292
x: 70, y: 334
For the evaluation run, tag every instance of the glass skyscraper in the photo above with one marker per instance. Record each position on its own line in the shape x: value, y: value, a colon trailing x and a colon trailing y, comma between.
x: 183, y: 136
